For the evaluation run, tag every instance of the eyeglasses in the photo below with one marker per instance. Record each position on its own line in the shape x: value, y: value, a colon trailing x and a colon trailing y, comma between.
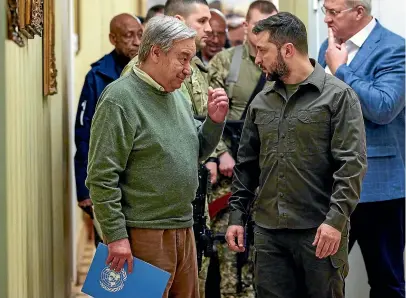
x: 333, y: 12
x: 214, y: 34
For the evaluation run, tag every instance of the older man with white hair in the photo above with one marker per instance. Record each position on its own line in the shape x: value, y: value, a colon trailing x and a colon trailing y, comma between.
x: 143, y: 159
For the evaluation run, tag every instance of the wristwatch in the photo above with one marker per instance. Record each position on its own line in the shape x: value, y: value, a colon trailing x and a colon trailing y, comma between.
x: 213, y: 159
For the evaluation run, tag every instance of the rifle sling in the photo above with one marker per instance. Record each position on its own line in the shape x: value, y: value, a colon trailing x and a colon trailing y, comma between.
x: 258, y: 88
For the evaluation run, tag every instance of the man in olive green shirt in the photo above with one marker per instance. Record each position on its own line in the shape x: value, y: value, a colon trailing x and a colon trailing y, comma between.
x: 303, y: 145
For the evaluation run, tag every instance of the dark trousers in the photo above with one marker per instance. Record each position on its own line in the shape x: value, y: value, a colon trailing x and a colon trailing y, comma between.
x: 286, y: 265
x: 379, y: 228
x: 97, y: 237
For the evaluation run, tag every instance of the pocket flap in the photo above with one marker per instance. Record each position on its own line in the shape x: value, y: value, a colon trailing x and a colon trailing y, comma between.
x: 264, y: 117
x: 312, y: 116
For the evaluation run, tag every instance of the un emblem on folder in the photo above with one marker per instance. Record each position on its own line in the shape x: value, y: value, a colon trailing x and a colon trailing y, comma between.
x: 111, y: 280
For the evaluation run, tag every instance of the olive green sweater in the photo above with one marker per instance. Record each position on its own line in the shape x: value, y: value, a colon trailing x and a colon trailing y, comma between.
x: 143, y: 157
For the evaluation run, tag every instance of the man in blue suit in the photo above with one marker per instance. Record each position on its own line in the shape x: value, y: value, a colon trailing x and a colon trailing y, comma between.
x: 125, y: 35
x: 371, y: 59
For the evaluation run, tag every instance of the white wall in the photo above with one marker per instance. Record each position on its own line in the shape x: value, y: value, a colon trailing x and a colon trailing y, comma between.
x: 391, y: 14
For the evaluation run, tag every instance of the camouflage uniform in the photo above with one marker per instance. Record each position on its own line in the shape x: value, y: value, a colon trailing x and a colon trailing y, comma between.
x: 197, y: 87
x: 247, y: 80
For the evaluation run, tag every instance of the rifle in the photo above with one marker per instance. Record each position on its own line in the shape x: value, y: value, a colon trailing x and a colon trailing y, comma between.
x: 203, y: 237
x: 232, y: 132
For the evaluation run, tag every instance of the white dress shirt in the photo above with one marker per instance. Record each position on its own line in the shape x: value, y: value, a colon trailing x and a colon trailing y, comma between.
x: 355, y: 42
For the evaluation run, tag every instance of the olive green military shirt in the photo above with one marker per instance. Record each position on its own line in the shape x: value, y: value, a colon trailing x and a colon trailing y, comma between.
x: 291, y: 89
x: 306, y: 154
x: 248, y: 78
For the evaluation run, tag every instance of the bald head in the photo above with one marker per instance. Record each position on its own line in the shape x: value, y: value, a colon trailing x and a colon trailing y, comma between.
x: 125, y: 34
x: 218, y: 16
x: 122, y: 21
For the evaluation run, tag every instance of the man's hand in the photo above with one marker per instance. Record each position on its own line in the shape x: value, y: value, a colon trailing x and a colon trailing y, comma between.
x: 217, y: 105
x: 119, y: 253
x: 232, y: 233
x: 327, y: 240
x: 85, y: 203
x: 86, y: 206
x: 227, y: 164
x: 212, y: 167
x: 336, y: 54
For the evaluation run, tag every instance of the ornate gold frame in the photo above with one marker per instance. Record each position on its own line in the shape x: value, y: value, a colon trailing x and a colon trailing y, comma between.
x: 13, y: 30
x: 50, y: 71
x: 30, y: 17
x: 27, y: 18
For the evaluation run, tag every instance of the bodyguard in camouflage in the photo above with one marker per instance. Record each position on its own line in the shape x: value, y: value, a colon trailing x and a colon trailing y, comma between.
x: 239, y: 91
x: 219, y: 68
x: 303, y: 147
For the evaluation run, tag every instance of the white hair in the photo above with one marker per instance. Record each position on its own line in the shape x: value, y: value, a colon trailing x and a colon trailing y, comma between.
x: 364, y: 3
x: 162, y: 31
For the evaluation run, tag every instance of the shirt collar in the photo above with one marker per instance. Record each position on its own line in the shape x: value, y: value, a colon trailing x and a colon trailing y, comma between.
x: 359, y: 38
x: 197, y: 62
x: 146, y: 77
x: 316, y: 78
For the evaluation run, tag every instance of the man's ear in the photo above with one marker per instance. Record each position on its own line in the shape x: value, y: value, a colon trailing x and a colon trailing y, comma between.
x: 155, y: 53
x: 179, y: 17
x: 112, y: 38
x: 245, y: 25
x: 360, y: 12
x: 288, y: 50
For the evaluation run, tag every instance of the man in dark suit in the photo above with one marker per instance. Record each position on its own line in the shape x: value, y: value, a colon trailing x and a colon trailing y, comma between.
x: 371, y: 59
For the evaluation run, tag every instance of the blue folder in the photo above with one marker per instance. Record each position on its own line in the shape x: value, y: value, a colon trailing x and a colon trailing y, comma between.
x: 146, y: 280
